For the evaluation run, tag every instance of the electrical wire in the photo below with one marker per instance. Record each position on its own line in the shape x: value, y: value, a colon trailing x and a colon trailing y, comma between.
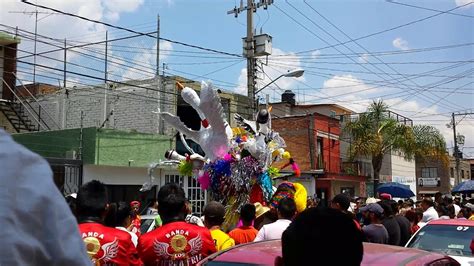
x: 129, y: 30
x: 425, y: 8
x: 387, y: 30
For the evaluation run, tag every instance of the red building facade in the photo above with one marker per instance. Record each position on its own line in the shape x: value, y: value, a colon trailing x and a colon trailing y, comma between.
x: 314, y: 142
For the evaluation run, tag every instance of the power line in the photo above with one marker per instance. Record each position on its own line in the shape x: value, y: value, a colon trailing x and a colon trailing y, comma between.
x: 425, y: 8
x: 387, y: 30
x: 129, y: 30
x: 382, y: 53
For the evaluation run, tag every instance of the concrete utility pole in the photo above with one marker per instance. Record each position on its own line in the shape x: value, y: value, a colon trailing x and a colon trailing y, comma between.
x: 106, y: 76
x: 456, y: 152
x: 250, y: 44
x: 158, y: 46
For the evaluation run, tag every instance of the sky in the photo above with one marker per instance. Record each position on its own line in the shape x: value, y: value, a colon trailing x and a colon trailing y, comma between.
x: 421, y: 64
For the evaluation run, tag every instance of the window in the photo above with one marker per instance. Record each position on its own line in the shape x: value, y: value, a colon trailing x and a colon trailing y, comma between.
x: 462, y: 174
x: 452, y: 172
x: 319, y: 151
x: 429, y: 172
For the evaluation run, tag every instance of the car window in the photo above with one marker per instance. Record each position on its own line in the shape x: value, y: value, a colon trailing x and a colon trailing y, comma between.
x: 450, y: 240
x: 145, y: 224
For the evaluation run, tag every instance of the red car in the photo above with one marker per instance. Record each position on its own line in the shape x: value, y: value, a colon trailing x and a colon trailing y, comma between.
x: 453, y: 237
x: 264, y: 253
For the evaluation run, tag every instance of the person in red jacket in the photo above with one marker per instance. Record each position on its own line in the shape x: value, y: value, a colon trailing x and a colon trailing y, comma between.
x: 136, y: 219
x: 104, y: 245
x: 175, y: 242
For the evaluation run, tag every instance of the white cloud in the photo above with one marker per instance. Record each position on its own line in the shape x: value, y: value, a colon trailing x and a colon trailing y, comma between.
x: 463, y: 2
x: 315, y: 54
x: 61, y: 26
x: 352, y: 93
x: 400, y: 44
x: 147, y: 61
x: 364, y: 58
x: 272, y: 72
x: 115, y: 7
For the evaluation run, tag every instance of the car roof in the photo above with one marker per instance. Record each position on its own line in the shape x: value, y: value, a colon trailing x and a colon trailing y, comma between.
x: 461, y: 222
x: 264, y: 253
x: 378, y: 254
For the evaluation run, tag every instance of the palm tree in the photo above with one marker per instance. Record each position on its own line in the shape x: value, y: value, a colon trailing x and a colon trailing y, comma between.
x: 374, y: 134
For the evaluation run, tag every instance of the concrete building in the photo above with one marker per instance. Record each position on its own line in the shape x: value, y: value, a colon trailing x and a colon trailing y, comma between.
x: 435, y: 176
x: 394, y: 167
x: 122, y: 113
x: 120, y: 159
x: 314, y: 142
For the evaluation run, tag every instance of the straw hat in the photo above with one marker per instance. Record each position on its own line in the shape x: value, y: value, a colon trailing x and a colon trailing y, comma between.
x: 260, y: 209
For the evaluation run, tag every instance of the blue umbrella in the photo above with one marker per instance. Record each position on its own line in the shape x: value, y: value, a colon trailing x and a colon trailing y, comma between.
x: 395, y: 189
x: 464, y: 187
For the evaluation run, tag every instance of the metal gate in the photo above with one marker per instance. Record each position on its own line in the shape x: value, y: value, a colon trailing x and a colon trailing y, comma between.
x: 194, y: 193
x: 67, y: 174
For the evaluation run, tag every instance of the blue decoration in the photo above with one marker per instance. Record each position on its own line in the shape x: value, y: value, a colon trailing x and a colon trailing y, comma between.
x: 222, y: 168
x: 265, y: 183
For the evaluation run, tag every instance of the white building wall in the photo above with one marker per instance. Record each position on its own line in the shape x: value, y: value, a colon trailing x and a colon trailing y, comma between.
x: 404, y: 171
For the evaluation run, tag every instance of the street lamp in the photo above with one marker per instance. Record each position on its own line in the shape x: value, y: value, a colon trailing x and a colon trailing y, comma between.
x: 291, y: 74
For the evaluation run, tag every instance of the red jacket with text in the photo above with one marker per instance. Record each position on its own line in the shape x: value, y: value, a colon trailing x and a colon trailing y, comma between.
x: 108, y: 246
x: 176, y: 243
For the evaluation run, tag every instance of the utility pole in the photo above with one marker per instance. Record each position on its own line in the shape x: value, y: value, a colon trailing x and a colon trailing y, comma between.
x: 65, y: 61
x: 81, y: 136
x: 456, y: 152
x: 106, y: 76
x: 158, y: 46
x: 249, y: 48
x: 161, y: 129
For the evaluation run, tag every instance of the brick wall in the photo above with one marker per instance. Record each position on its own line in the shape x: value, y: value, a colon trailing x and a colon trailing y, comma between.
x: 295, y: 132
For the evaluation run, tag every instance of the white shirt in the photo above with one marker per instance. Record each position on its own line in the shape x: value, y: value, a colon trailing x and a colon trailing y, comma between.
x: 273, y: 230
x: 134, y: 236
x: 430, y: 214
x: 37, y: 226
x: 457, y: 209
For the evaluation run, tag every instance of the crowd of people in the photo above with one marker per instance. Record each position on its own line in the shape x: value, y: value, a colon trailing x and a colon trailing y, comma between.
x: 108, y: 229
x: 391, y: 222
x: 44, y: 230
x: 181, y: 237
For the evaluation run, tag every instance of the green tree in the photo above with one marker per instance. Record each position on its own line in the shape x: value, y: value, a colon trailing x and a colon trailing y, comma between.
x: 375, y: 134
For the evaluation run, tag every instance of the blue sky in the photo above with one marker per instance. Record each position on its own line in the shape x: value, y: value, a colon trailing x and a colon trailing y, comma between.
x: 330, y: 76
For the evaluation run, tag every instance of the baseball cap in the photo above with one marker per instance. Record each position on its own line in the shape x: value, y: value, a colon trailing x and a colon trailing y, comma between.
x: 343, y: 201
x: 385, y: 196
x: 372, y: 207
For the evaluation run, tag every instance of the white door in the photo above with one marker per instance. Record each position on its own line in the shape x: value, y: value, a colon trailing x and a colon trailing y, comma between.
x: 194, y: 194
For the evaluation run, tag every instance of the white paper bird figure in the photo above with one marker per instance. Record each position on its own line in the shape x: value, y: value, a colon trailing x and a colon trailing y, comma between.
x: 212, y: 139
